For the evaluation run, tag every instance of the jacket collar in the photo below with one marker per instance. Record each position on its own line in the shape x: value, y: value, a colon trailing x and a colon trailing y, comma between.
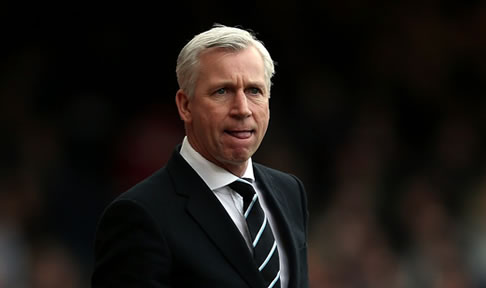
x: 279, y: 205
x: 211, y: 216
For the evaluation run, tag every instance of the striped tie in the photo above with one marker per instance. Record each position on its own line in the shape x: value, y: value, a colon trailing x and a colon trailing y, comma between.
x: 265, y: 252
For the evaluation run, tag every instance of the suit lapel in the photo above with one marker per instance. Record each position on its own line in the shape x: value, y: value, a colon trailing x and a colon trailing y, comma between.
x: 278, y: 204
x: 211, y: 216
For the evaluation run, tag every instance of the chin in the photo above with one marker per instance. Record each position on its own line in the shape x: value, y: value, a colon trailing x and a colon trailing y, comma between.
x: 241, y: 155
x: 236, y: 160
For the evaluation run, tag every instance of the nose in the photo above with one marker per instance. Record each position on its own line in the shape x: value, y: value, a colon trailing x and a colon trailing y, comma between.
x: 240, y: 106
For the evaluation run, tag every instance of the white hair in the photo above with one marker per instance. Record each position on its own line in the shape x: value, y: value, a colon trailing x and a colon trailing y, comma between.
x: 232, y: 38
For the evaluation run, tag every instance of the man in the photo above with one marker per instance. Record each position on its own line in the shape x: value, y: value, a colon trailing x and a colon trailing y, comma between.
x: 191, y: 224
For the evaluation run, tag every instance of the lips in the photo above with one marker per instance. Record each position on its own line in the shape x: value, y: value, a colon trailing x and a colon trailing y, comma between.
x: 240, y: 134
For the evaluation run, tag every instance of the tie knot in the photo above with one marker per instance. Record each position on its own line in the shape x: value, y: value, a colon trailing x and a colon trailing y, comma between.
x: 245, y: 189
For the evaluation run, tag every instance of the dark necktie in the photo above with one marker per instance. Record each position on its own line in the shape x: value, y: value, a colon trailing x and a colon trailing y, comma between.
x: 265, y: 252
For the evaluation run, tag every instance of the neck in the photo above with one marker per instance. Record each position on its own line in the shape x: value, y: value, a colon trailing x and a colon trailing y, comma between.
x: 237, y: 170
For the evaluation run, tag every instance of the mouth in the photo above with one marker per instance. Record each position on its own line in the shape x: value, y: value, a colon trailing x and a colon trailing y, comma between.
x: 240, y: 134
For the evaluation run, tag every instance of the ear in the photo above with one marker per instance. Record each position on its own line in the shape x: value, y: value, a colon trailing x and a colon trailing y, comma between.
x: 182, y: 102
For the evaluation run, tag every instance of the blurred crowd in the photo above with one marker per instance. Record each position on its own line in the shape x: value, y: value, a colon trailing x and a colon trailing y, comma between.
x: 396, y: 139
x: 378, y: 108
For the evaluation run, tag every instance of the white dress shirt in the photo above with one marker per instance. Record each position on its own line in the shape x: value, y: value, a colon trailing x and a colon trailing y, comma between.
x: 218, y: 180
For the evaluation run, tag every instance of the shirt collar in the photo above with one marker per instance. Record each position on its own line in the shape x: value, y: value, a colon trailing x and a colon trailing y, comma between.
x: 214, y: 176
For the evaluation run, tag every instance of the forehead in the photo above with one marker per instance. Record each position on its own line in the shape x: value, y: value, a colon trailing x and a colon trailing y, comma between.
x: 224, y: 61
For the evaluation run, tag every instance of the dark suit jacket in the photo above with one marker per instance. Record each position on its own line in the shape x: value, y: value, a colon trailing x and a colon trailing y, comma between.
x: 170, y: 230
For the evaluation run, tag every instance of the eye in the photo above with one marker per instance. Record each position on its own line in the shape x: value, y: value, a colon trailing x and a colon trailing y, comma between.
x: 220, y: 91
x: 255, y: 91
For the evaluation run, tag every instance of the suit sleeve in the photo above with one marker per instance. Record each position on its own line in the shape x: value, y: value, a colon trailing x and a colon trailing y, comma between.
x: 129, y: 249
x: 304, y: 270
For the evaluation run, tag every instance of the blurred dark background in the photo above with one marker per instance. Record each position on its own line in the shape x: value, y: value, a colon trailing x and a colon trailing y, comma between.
x: 377, y: 107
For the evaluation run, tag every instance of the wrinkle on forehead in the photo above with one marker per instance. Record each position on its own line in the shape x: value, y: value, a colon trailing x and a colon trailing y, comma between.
x: 224, y: 66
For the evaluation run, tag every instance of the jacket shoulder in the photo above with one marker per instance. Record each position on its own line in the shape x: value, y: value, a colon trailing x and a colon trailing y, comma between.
x: 151, y: 194
x: 277, y: 175
x: 145, y: 188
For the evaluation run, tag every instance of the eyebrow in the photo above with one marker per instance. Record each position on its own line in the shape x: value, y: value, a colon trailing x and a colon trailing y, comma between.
x: 231, y: 84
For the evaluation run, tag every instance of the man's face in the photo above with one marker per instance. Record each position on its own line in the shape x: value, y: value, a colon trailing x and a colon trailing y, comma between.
x: 228, y: 116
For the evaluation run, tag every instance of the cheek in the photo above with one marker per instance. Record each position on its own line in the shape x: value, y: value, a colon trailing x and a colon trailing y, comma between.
x: 210, y: 123
x: 263, y: 117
